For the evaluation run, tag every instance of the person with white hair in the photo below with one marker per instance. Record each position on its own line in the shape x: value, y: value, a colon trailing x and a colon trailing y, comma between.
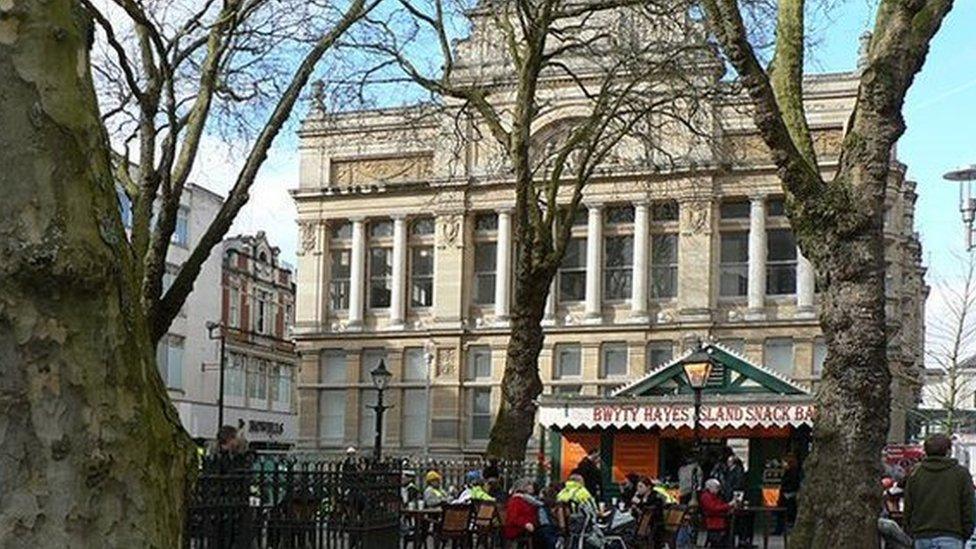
x: 716, y: 513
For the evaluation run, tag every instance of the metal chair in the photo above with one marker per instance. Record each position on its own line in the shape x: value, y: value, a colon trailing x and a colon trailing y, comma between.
x: 486, y: 523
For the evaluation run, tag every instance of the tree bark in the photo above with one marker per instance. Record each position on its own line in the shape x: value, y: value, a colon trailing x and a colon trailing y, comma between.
x: 93, y: 451
x: 521, y: 385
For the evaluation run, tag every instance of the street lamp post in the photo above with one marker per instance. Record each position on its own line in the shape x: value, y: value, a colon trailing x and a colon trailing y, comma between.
x: 381, y: 378
x: 697, y: 367
x: 211, y: 326
x: 430, y: 350
x: 965, y: 176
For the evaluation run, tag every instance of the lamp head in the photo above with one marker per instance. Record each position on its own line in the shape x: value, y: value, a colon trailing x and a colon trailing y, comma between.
x: 697, y: 367
x: 381, y: 376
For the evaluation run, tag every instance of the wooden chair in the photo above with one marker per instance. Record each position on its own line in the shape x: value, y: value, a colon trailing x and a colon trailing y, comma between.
x: 454, y: 526
x: 486, y: 523
x: 644, y: 532
x: 674, y: 518
x: 560, y: 518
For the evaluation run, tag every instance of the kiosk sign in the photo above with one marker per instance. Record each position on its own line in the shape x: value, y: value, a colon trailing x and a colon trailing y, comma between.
x: 681, y: 415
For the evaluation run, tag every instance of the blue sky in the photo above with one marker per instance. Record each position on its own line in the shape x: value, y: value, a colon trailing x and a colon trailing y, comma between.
x: 940, y: 113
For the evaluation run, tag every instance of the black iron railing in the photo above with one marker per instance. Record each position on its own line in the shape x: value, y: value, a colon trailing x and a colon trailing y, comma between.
x: 283, y: 502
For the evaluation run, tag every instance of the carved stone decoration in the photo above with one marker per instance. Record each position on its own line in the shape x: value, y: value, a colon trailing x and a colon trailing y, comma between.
x: 449, y: 232
x: 697, y: 215
x: 307, y: 237
x: 446, y: 361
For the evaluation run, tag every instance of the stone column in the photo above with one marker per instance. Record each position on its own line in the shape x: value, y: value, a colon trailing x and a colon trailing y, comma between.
x: 398, y: 292
x: 503, y: 265
x: 805, y: 286
x: 357, y: 275
x: 639, y: 277
x: 594, y: 264
x: 757, y: 258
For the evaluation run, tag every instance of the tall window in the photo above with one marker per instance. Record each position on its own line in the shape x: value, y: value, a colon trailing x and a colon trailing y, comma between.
x: 664, y: 266
x: 339, y: 279
x: 567, y: 362
x: 263, y: 315
x: 342, y: 230
x: 479, y: 362
x: 181, y: 233
x: 284, y: 385
x: 486, y: 222
x: 780, y: 262
x: 414, y: 417
x: 381, y: 228
x: 380, y: 276
x: 658, y: 353
x: 234, y: 306
x: 614, y: 359
x: 819, y: 355
x: 169, y: 360
x: 422, y: 226
x: 484, y: 272
x: 414, y: 364
x: 664, y: 211
x: 778, y: 355
x: 734, y: 209
x: 775, y: 207
x: 421, y: 276
x: 257, y: 379
x: 332, y: 416
x: 332, y: 366
x: 734, y: 264
x: 480, y: 413
x: 234, y: 375
x: 572, y: 271
x: 618, y: 258
x: 274, y: 370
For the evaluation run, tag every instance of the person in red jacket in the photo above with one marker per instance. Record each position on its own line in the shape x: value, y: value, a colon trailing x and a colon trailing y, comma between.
x: 716, y: 512
x: 521, y: 514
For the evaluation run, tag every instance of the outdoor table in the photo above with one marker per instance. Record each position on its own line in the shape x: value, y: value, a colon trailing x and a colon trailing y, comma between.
x: 421, y: 520
x: 769, y: 513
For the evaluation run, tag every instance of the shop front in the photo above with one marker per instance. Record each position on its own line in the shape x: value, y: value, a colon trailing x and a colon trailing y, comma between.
x: 648, y: 427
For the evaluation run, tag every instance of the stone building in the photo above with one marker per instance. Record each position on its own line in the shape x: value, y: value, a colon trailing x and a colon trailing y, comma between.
x: 405, y: 255
x: 258, y: 310
x: 186, y: 356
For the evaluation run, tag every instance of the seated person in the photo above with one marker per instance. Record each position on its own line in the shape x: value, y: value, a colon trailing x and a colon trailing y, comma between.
x: 628, y: 487
x: 434, y: 495
x: 526, y: 515
x: 716, y: 513
x: 575, y: 492
x: 474, y: 489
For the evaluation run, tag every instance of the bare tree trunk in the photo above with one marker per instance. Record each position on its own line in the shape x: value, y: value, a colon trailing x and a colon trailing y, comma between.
x: 521, y: 385
x: 93, y: 452
x: 853, y: 406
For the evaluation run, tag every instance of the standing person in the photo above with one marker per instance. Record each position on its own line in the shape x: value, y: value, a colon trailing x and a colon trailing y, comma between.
x: 690, y: 479
x: 716, y: 512
x: 939, y: 506
x: 789, y: 488
x: 589, y: 469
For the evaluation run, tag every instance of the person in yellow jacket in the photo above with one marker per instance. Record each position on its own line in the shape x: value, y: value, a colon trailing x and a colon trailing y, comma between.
x: 474, y: 489
x: 575, y: 492
x: 434, y: 495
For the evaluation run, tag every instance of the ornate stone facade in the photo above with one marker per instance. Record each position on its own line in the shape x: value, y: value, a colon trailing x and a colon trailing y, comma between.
x: 417, y: 271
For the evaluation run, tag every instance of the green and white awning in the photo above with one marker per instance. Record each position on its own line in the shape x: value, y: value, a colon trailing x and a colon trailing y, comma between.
x: 739, y: 394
